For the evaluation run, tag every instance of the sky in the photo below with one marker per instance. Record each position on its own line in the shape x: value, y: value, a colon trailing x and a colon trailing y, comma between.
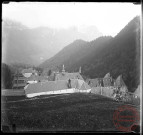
x: 109, y: 18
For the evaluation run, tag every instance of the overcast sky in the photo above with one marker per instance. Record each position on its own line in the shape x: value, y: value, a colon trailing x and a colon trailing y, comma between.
x: 109, y: 18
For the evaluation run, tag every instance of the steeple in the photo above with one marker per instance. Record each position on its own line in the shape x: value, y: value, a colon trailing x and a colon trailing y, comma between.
x: 63, y: 70
x: 80, y: 70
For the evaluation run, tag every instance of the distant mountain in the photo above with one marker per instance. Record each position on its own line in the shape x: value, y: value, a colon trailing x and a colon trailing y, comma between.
x: 74, y: 53
x: 118, y: 55
x: 21, y: 44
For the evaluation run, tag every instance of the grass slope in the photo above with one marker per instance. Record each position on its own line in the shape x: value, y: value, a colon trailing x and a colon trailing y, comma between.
x: 73, y: 112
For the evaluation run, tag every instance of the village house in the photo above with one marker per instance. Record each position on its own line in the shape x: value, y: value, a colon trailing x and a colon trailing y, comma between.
x: 26, y: 76
x: 108, y: 81
x: 19, y: 81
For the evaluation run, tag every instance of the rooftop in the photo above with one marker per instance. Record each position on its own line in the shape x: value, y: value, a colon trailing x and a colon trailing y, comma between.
x: 66, y: 76
x: 56, y: 85
x: 119, y: 81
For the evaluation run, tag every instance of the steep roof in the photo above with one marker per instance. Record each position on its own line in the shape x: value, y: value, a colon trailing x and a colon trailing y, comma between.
x: 137, y: 91
x: 49, y: 86
x: 55, y: 85
x: 107, y: 75
x: 119, y: 81
x: 108, y: 81
x: 66, y: 76
x: 85, y: 86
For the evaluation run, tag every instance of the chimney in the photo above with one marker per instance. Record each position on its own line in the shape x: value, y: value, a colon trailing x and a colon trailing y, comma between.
x: 69, y: 83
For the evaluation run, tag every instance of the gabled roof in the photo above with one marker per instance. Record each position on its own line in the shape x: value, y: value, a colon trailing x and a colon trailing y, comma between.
x: 107, y: 75
x: 137, y: 91
x: 108, y: 81
x: 119, y: 81
x: 49, y: 86
x: 66, y: 76
x: 55, y: 85
x: 85, y: 86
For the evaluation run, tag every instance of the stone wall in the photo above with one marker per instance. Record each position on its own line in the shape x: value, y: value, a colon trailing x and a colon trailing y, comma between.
x: 105, y: 91
x: 108, y: 92
x: 96, y: 90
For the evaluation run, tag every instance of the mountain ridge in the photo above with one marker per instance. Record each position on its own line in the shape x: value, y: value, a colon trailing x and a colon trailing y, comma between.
x: 34, y: 45
x: 117, y: 55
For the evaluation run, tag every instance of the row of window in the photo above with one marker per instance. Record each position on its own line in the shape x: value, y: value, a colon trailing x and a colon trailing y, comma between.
x: 20, y: 87
x: 19, y: 81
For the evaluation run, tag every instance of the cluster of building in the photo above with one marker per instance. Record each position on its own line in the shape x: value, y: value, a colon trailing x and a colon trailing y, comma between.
x: 110, y: 87
x: 108, y: 82
x: 57, y: 83
x: 35, y: 84
x: 27, y: 76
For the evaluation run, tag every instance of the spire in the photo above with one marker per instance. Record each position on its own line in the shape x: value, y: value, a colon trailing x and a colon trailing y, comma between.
x: 80, y: 70
x: 63, y: 70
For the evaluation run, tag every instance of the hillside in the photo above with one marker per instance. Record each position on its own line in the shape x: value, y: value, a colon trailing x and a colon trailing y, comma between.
x: 118, y: 55
x: 21, y: 44
x: 73, y: 53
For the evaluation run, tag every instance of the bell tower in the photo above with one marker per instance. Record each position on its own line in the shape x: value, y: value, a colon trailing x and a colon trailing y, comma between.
x: 63, y: 70
x: 80, y: 70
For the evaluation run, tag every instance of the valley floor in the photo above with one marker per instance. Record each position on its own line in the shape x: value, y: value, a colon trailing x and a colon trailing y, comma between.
x: 67, y: 112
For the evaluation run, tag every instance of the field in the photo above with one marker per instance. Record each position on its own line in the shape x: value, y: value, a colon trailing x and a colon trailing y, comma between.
x: 68, y: 112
